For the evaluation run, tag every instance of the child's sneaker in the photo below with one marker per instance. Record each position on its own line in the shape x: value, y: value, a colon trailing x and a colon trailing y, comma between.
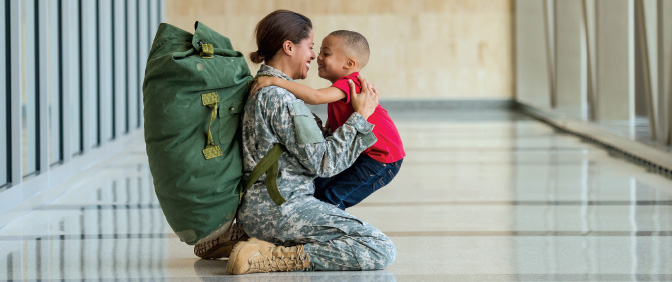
x: 221, y: 247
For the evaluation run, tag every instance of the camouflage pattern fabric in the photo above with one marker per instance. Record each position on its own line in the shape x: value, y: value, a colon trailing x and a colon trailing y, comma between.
x: 333, y: 239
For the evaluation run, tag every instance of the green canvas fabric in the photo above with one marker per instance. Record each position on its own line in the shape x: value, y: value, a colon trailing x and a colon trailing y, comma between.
x: 198, y: 195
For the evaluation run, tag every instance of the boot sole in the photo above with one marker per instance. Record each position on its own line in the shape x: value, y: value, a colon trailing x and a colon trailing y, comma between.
x: 220, y: 250
x: 233, y: 257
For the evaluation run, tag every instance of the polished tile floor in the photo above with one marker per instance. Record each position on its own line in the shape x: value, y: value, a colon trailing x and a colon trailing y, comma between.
x: 482, y: 196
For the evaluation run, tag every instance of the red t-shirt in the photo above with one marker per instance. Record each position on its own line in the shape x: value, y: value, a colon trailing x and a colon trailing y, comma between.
x: 388, y: 148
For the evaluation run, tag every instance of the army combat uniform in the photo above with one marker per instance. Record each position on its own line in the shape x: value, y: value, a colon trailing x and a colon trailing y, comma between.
x: 333, y: 239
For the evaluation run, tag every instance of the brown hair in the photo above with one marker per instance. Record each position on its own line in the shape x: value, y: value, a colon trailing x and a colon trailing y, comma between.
x: 276, y: 28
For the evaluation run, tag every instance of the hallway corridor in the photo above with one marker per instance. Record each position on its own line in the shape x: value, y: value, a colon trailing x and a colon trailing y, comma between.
x: 482, y: 196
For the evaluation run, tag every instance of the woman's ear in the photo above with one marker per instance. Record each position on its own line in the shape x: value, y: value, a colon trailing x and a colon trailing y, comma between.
x: 288, y: 47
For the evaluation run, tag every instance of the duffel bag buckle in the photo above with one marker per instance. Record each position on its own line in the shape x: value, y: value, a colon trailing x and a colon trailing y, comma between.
x: 207, y: 50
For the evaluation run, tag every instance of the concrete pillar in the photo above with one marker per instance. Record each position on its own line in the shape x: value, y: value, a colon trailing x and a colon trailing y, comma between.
x: 615, y: 61
x: 532, y: 80
x: 570, y: 70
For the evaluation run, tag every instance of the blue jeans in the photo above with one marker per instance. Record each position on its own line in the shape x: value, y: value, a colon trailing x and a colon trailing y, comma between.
x: 354, y: 184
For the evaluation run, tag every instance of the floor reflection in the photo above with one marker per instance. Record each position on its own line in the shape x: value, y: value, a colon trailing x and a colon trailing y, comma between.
x: 120, y: 233
x: 493, y: 196
x: 213, y: 270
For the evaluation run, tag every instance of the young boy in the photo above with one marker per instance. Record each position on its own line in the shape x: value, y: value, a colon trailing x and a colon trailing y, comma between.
x: 342, y: 55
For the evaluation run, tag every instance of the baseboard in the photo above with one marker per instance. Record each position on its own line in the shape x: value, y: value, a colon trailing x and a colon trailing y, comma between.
x: 655, y: 159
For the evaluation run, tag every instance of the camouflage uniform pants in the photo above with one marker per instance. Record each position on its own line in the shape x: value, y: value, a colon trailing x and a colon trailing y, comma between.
x: 333, y: 239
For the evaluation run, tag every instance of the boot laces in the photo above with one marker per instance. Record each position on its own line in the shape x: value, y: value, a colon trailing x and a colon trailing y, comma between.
x: 280, y: 263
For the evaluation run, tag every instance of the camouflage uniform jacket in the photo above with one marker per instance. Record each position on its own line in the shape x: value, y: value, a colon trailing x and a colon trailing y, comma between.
x: 274, y: 115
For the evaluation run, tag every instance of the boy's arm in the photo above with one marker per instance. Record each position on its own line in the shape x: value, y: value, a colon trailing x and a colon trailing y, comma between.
x: 306, y: 93
x: 310, y: 95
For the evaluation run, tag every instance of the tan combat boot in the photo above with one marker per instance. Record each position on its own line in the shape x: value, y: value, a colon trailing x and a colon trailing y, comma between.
x: 221, y: 247
x: 255, y: 256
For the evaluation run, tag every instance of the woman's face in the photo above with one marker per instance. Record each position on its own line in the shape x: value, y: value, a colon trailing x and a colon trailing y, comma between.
x: 302, y: 57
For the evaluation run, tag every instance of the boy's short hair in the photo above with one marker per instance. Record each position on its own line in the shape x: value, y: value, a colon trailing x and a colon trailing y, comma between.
x: 356, y: 43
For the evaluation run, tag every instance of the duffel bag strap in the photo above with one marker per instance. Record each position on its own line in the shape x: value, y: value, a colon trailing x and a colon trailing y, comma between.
x: 268, y: 165
x: 211, y: 100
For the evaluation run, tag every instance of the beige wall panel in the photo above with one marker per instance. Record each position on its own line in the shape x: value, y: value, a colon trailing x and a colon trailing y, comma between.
x: 532, y: 81
x: 429, y: 49
x: 569, y: 56
x: 615, y: 55
x: 665, y: 82
x: 651, y: 22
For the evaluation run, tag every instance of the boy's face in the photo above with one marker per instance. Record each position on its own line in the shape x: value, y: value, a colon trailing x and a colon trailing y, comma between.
x: 332, y: 61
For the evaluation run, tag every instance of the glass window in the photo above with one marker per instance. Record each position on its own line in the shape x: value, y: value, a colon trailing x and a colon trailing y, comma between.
x: 90, y: 87
x: 143, y: 53
x: 105, y: 68
x: 54, y: 83
x: 153, y: 20
x: 71, y: 74
x: 28, y: 90
x: 132, y: 65
x: 4, y: 110
x: 119, y: 80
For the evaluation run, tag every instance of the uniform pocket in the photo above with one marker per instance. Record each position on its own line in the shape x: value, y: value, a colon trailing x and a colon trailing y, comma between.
x: 305, y: 125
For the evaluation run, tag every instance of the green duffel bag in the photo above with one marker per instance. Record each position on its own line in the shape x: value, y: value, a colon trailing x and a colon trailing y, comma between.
x: 194, y: 92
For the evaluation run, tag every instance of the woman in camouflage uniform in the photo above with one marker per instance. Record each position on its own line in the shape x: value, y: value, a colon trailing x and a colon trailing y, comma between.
x: 303, y: 233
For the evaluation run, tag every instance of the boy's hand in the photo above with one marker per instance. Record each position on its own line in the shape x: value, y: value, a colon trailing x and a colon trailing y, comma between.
x: 364, y: 103
x: 326, y: 131
x: 261, y: 82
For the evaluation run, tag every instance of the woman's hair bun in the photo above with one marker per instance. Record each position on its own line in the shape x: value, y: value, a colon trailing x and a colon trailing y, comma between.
x: 256, y: 58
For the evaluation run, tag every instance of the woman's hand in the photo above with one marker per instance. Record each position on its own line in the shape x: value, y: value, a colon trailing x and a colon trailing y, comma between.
x: 261, y: 82
x: 365, y: 102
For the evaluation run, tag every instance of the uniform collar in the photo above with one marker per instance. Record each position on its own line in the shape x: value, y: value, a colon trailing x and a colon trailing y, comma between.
x: 268, y: 70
